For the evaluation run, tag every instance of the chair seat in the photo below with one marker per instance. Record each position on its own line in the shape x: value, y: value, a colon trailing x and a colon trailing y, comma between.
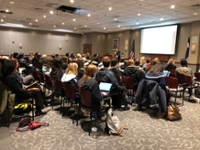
x: 179, y: 89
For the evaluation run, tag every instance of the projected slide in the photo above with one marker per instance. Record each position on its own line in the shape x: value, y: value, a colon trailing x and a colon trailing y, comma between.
x: 159, y: 40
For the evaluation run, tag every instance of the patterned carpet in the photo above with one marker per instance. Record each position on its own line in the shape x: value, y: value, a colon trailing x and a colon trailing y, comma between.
x: 145, y: 133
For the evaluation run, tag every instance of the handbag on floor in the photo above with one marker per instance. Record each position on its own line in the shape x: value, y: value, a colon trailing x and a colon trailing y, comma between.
x: 173, y: 113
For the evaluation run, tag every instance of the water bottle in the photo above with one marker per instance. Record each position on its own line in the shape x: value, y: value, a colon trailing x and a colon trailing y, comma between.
x: 94, y: 132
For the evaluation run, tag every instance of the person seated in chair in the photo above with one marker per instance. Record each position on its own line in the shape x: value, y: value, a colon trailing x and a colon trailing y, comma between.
x: 22, y: 93
x: 88, y: 82
x: 104, y: 74
x: 135, y: 72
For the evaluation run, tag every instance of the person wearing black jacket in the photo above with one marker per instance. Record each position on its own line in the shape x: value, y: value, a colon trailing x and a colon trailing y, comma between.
x: 104, y: 74
x: 22, y: 93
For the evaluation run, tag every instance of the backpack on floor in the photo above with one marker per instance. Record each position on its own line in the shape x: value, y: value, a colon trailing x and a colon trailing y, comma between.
x: 113, y: 124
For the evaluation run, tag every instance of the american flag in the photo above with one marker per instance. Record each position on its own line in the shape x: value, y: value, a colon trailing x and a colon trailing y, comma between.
x: 187, y: 49
x: 132, y: 53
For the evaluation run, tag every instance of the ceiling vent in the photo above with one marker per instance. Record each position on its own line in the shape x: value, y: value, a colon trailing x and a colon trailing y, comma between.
x: 195, y: 5
x: 4, y: 12
x: 68, y: 9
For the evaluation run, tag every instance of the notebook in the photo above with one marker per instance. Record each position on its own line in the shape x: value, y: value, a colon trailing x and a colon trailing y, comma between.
x: 105, y: 87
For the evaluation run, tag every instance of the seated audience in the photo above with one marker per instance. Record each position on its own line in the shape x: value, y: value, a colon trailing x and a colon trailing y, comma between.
x: 142, y: 61
x: 156, y: 73
x: 106, y: 75
x: 184, y: 69
x: 116, y: 70
x: 135, y: 72
x: 22, y: 93
x: 56, y: 72
x: 170, y: 65
x: 89, y: 83
x: 71, y: 74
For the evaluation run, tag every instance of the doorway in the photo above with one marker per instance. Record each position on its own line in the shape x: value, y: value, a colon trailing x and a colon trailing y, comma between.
x: 87, y: 48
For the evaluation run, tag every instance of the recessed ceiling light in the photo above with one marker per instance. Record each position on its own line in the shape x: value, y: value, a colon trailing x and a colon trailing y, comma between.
x: 30, y: 23
x: 7, y: 10
x: 195, y: 14
x: 54, y: 26
x: 137, y: 23
x: 161, y: 19
x: 115, y: 19
x: 51, y: 12
x: 110, y: 8
x: 172, y: 6
x: 104, y: 28
x: 4, y: 16
x: 75, y: 28
x: 88, y: 15
x: 44, y: 16
x: 71, y: 1
x: 85, y: 26
x: 2, y: 20
x: 63, y: 23
x: 36, y: 20
x: 74, y: 19
x: 138, y: 14
x: 118, y: 26
x: 11, y: 2
x: 98, y: 23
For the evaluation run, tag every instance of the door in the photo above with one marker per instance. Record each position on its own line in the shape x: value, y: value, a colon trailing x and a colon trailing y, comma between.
x: 87, y: 48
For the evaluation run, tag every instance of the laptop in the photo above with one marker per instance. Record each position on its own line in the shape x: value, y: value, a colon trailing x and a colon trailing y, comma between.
x: 166, y: 73
x: 105, y: 87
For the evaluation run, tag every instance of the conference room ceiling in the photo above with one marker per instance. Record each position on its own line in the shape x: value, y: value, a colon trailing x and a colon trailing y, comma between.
x: 96, y: 15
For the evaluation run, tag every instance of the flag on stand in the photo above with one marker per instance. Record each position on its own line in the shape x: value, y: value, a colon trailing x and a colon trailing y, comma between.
x: 132, y: 53
x: 187, y: 49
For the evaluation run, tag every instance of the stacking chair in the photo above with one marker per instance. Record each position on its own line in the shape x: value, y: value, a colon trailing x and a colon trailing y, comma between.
x: 128, y: 82
x: 197, y: 75
x: 71, y: 96
x: 186, y: 83
x: 7, y: 103
x: 41, y: 79
x: 172, y: 73
x: 58, y: 90
x: 48, y: 86
x: 86, y: 102
x: 172, y: 85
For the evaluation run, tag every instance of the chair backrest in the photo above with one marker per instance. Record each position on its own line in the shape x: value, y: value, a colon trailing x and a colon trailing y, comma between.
x: 172, y: 73
x: 48, y: 81
x: 69, y: 90
x: 197, y: 75
x: 128, y: 82
x: 35, y: 75
x: 183, y: 79
x: 40, y: 76
x: 118, y: 78
x: 86, y: 97
x: 171, y: 82
x: 58, y: 86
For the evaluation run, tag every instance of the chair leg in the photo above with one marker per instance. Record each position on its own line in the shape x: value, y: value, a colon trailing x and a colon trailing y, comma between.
x: 175, y: 98
x: 32, y: 109
x: 183, y: 97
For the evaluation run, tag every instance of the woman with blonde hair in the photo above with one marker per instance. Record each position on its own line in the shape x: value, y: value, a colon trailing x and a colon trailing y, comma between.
x: 88, y: 82
x: 170, y: 65
x: 142, y: 61
x: 71, y: 72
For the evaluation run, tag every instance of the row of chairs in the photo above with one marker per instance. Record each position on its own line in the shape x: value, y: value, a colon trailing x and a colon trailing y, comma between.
x: 180, y: 83
x: 67, y: 92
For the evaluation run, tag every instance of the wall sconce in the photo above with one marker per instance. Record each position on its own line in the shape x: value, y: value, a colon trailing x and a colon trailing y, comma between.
x: 20, y: 45
x: 126, y: 47
x: 60, y: 47
x: 193, y: 48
